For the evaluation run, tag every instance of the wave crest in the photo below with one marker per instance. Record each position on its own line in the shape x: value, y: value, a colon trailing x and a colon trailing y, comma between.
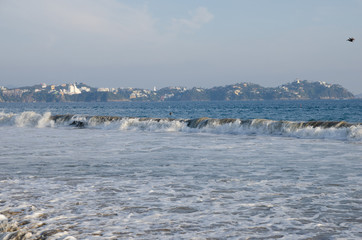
x: 26, y: 119
x: 311, y: 129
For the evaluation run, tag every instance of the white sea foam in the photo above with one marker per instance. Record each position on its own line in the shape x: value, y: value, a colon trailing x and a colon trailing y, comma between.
x: 26, y: 119
x: 67, y: 183
x: 283, y: 128
x: 321, y: 130
x: 3, y: 218
x: 151, y: 125
x: 6, y: 118
x: 98, y: 177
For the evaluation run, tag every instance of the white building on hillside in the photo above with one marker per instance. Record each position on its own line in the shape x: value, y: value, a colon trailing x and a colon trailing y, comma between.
x: 85, y: 89
x: 72, y: 89
x: 103, y: 90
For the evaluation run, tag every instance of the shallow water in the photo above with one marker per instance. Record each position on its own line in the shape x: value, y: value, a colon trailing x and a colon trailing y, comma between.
x: 163, y: 183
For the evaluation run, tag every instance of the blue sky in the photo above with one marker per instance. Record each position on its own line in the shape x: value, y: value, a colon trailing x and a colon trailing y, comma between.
x: 202, y: 43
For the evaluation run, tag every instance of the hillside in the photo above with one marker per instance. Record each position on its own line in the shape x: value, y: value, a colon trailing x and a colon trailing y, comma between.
x: 249, y: 91
x: 241, y: 91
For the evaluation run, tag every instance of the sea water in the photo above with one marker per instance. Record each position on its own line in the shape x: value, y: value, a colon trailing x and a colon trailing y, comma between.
x: 181, y: 170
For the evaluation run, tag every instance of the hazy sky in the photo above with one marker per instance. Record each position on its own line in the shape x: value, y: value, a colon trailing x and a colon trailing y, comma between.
x: 201, y: 43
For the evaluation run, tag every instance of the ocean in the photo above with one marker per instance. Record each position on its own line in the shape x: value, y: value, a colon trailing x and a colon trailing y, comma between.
x: 181, y: 170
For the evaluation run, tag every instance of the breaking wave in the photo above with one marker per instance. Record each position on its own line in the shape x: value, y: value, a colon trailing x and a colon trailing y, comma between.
x: 311, y: 129
x: 26, y: 119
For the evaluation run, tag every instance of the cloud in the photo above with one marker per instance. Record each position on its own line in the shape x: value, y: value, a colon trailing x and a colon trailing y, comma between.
x: 75, y: 31
x: 108, y: 17
x: 89, y: 32
x: 44, y: 40
x: 197, y: 19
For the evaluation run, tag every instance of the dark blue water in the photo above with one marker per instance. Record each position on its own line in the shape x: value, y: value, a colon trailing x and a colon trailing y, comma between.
x: 306, y: 110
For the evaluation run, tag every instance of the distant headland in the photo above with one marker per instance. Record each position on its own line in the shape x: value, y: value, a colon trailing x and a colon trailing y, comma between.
x: 80, y: 92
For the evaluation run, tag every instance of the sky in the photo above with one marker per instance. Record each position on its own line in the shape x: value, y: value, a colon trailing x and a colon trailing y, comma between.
x: 189, y: 43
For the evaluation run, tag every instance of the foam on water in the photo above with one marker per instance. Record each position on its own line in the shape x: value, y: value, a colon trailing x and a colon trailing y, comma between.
x: 26, y: 119
x: 115, y: 184
x: 313, y: 129
x: 243, y: 172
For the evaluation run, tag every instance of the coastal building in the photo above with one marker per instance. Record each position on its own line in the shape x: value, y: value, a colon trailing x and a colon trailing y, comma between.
x: 325, y: 84
x: 14, y: 92
x: 138, y: 94
x: 103, y: 90
x: 167, y: 96
x: 132, y: 96
x: 85, y: 89
x: 199, y: 89
x: 72, y: 89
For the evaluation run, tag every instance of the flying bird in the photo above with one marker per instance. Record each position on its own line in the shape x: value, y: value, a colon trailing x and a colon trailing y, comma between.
x: 351, y: 39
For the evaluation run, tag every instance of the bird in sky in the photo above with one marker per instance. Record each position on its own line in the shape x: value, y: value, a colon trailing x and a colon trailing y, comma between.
x: 351, y: 39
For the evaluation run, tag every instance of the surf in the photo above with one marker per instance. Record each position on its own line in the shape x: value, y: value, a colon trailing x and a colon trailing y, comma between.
x: 340, y: 130
x: 308, y: 129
